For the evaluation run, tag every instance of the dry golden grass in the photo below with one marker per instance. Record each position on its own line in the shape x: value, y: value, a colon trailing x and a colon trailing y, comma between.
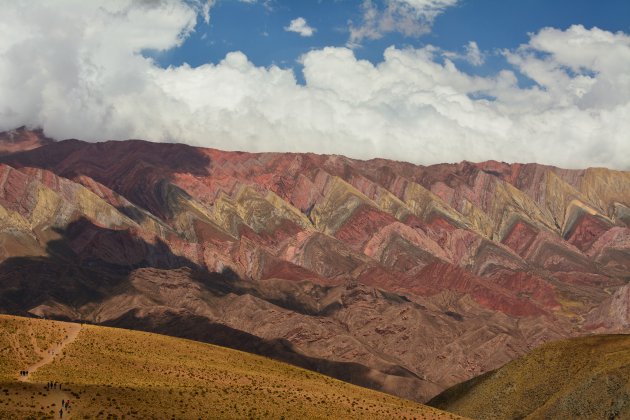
x: 19, y: 400
x: 585, y: 377
x: 22, y: 340
x: 115, y: 373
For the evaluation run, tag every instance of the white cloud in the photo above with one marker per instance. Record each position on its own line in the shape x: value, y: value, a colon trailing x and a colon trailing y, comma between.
x: 300, y: 26
x: 588, y: 68
x: 472, y: 54
x: 75, y: 69
x: 427, y: 8
x: 267, y: 4
x: 204, y: 7
x: 409, y: 17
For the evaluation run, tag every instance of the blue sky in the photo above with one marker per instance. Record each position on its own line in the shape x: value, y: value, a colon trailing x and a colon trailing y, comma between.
x: 425, y: 81
x: 257, y: 29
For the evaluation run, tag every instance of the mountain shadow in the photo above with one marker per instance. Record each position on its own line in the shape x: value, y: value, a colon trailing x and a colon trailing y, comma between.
x: 138, y: 170
x: 88, y: 265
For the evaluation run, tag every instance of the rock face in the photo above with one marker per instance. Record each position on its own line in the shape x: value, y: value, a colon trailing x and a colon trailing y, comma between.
x: 586, y: 378
x: 399, y: 277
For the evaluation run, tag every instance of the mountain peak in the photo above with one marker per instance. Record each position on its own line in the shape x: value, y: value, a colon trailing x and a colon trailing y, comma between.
x: 21, y: 139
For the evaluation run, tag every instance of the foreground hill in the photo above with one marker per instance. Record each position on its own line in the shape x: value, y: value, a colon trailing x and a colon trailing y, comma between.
x: 585, y: 377
x: 403, y: 278
x: 108, y: 372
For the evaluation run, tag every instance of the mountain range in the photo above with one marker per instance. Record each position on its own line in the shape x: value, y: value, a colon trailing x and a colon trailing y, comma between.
x: 403, y: 278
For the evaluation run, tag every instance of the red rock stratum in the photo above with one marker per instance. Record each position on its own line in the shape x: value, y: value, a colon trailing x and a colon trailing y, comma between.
x: 394, y: 276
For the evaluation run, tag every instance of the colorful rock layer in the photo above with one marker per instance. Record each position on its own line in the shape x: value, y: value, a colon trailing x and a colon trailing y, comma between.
x: 395, y: 276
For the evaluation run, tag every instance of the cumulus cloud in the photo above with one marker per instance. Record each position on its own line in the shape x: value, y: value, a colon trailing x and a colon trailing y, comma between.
x: 300, y: 26
x: 76, y: 69
x: 409, y: 17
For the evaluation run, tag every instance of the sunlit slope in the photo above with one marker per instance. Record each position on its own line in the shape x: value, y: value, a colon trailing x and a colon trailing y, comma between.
x: 18, y: 338
x: 579, y: 378
x: 140, y: 375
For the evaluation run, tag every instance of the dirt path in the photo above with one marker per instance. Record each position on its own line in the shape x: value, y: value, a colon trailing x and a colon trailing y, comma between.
x: 54, y: 395
x: 48, y: 355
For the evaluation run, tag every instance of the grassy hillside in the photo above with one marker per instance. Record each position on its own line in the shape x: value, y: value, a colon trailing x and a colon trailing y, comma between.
x: 20, y: 340
x: 579, y: 378
x: 115, y: 373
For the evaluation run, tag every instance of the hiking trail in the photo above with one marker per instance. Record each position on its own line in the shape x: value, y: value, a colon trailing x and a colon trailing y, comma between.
x: 54, y: 396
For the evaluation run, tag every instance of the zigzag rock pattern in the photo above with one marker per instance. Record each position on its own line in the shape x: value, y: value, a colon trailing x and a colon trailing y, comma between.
x: 399, y: 277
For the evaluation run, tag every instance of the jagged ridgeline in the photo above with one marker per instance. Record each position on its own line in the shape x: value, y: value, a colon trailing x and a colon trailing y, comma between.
x: 403, y: 278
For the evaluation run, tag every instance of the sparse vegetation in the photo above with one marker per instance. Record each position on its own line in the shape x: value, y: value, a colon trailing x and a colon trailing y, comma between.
x: 585, y: 377
x: 22, y: 340
x: 114, y: 373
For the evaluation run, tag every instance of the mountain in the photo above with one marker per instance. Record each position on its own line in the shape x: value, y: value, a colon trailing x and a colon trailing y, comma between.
x: 587, y: 377
x: 402, y: 278
x: 115, y: 373
x: 22, y: 139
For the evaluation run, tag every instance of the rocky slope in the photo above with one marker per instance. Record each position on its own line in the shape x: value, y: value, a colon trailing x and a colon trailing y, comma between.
x: 584, y: 377
x: 399, y: 277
